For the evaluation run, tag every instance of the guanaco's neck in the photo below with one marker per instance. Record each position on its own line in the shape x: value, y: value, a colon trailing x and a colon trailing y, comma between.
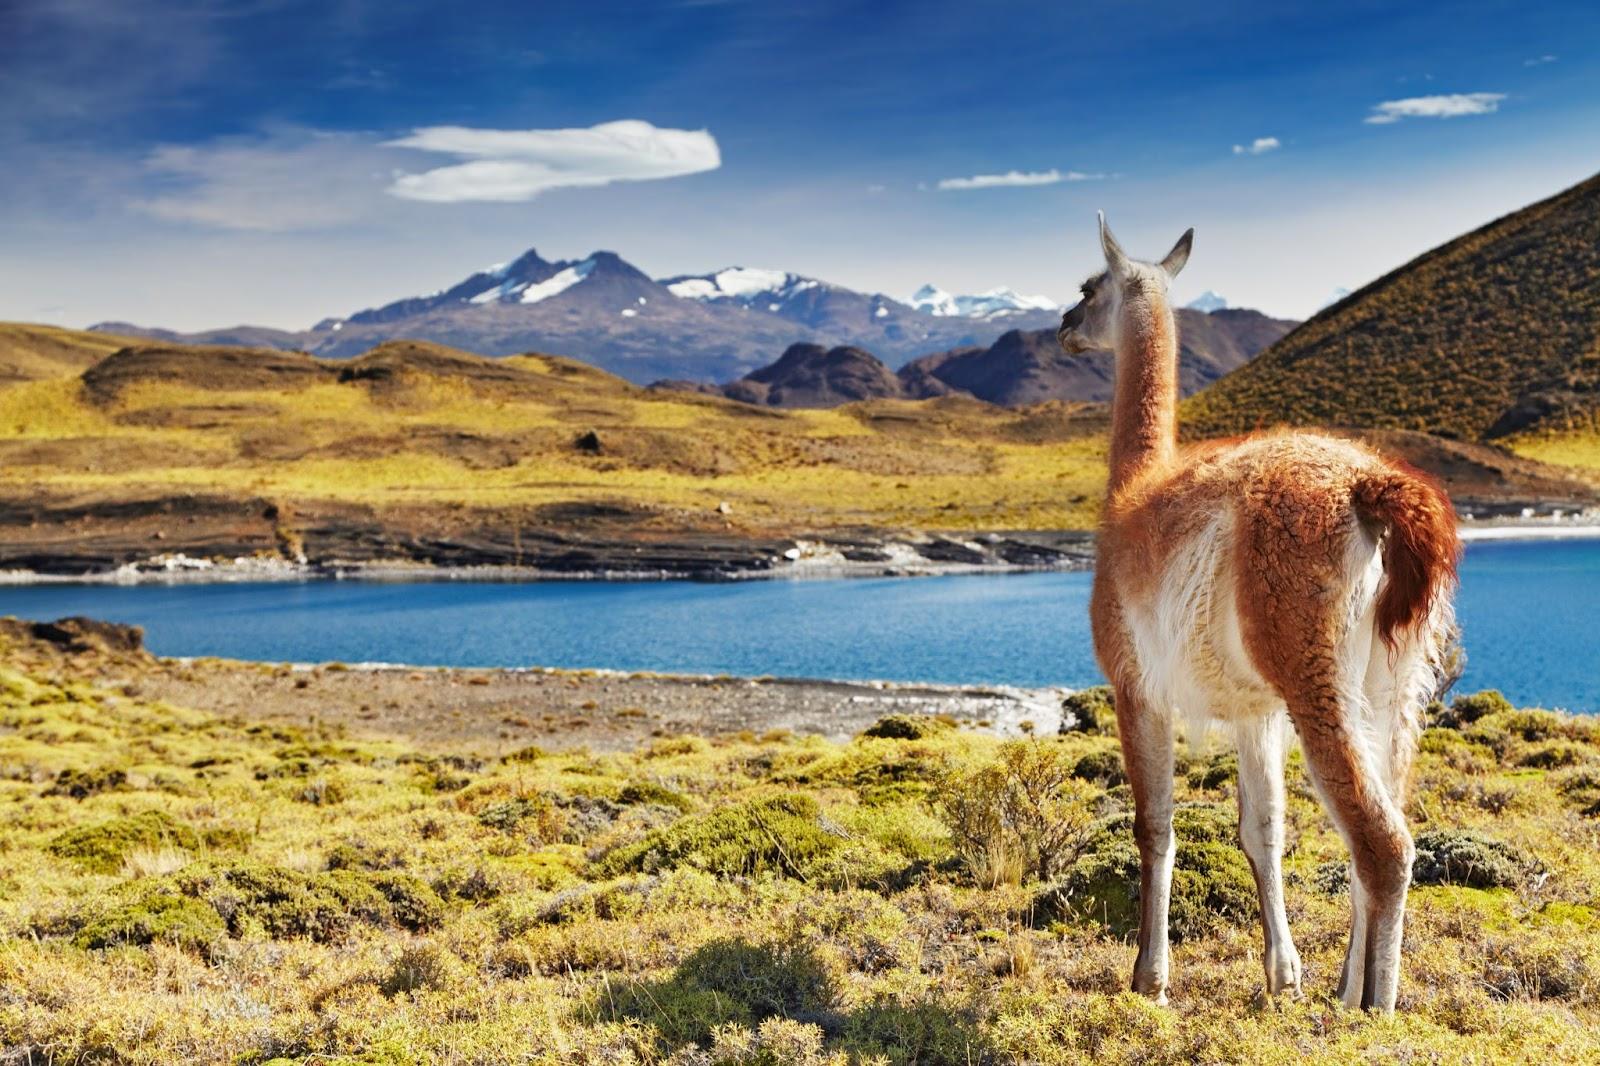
x: 1144, y: 411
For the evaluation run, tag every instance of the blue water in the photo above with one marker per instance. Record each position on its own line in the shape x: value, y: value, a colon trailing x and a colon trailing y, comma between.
x: 1528, y: 611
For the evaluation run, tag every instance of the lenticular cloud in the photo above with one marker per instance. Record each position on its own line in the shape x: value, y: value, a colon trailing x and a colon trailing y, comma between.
x: 513, y: 165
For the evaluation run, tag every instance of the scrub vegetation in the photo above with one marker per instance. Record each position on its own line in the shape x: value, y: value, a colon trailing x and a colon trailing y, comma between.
x: 183, y: 887
x: 415, y: 425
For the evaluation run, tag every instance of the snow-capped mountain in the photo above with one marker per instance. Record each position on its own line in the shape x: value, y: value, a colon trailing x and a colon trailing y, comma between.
x: 604, y: 310
x: 1002, y: 301
x: 1208, y: 302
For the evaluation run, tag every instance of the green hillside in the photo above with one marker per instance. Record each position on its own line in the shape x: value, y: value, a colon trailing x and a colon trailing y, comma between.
x: 1493, y: 335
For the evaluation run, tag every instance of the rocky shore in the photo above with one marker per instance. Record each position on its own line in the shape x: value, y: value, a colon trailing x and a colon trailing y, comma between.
x: 496, y: 711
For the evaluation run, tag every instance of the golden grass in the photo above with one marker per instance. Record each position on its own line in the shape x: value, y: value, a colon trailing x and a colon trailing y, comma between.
x: 740, y: 899
x: 421, y: 438
x: 1577, y: 450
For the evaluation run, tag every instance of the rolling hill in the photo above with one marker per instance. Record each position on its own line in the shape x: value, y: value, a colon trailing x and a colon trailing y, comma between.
x: 417, y: 452
x: 32, y: 352
x: 1494, y: 335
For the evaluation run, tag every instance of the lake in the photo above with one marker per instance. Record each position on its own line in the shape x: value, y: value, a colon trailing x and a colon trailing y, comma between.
x: 1528, y: 611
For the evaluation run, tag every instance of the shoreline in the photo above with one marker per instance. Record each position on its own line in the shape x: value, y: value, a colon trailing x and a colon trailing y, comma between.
x: 497, y: 710
x: 928, y: 555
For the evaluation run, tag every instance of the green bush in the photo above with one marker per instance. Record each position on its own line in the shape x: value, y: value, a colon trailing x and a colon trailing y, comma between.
x: 640, y: 793
x: 1465, y: 710
x: 1022, y: 815
x: 907, y: 727
x: 1101, y: 767
x: 927, y: 1034
x: 157, y: 915
x: 1221, y: 769
x: 257, y: 899
x: 418, y: 966
x: 1090, y: 710
x: 103, y: 846
x: 780, y: 835
x: 1211, y: 879
x: 79, y: 784
x: 1463, y: 857
x: 413, y: 904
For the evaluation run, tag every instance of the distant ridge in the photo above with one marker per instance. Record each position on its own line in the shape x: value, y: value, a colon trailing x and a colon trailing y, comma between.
x: 1021, y: 367
x: 1493, y: 334
x: 603, y: 309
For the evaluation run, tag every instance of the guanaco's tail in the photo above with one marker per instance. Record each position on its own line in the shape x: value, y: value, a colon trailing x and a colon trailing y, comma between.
x: 1420, y: 546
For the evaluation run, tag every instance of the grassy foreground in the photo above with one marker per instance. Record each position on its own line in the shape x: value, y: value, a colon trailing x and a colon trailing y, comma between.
x: 182, y: 888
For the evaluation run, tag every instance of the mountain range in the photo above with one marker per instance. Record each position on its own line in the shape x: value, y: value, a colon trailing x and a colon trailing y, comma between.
x: 605, y: 311
x: 1020, y: 367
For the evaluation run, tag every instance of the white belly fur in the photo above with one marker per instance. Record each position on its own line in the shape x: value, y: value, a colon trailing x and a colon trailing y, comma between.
x: 1189, y: 641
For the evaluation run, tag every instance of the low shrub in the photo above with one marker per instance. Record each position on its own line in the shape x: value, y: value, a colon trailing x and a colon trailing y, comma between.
x: 1211, y: 879
x: 641, y: 793
x: 781, y: 835
x: 80, y: 784
x: 1467, y: 709
x: 926, y: 1033
x: 1220, y: 770
x: 908, y: 727
x: 256, y: 899
x: 534, y: 815
x: 159, y: 915
x: 1090, y: 710
x: 413, y: 904
x: 418, y: 967
x: 1471, y: 859
x: 1024, y: 814
x: 104, y: 846
x: 1101, y: 767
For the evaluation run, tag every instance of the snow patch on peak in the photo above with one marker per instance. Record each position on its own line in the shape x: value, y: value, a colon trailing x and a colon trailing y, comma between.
x: 935, y: 301
x: 745, y: 284
x: 694, y: 289
x: 998, y: 301
x: 558, y: 283
x: 1208, y: 302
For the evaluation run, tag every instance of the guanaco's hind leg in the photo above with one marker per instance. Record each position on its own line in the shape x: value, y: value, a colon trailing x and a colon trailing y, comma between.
x: 1146, y: 735
x: 1330, y: 723
x: 1261, y: 744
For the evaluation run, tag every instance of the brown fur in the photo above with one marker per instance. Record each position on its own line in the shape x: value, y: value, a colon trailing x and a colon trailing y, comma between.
x: 1255, y: 555
x: 1421, y: 549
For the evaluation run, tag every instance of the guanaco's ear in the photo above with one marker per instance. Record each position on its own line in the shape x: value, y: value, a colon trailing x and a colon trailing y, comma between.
x: 1116, y: 258
x: 1179, y: 254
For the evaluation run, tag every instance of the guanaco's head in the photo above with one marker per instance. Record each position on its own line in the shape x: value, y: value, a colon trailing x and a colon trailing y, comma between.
x: 1092, y: 323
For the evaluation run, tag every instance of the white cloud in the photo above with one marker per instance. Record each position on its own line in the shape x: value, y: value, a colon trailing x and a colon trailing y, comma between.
x: 1447, y: 105
x: 1013, y: 178
x: 1258, y: 146
x: 513, y: 165
x: 1539, y: 61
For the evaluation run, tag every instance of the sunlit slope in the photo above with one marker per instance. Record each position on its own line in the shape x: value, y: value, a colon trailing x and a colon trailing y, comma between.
x: 1493, y: 336
x: 32, y: 352
x: 413, y: 423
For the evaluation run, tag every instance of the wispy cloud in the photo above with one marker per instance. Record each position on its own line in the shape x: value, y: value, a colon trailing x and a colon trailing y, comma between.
x: 1014, y: 178
x: 286, y: 179
x: 1259, y: 146
x: 1445, y: 105
x: 513, y: 165
x: 1539, y: 61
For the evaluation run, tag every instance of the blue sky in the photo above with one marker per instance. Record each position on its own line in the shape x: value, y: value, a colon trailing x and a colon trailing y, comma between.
x: 197, y: 164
